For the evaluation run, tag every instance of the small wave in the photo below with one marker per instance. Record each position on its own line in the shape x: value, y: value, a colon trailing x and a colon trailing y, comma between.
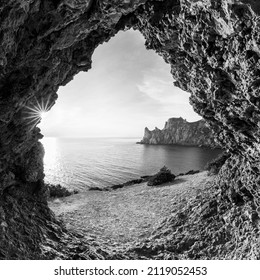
x: 79, y: 164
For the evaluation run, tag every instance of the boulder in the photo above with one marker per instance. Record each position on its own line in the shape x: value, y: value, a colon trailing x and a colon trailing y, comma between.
x: 163, y: 176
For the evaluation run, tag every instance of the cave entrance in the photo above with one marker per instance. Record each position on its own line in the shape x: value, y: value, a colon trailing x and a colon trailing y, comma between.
x: 127, y: 89
x: 91, y: 134
x: 213, y: 51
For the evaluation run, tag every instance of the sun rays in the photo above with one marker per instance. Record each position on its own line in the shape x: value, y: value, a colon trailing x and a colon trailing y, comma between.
x: 37, y: 111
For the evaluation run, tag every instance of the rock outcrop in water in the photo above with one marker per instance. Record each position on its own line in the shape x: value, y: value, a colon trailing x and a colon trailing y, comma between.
x: 213, y: 48
x: 179, y: 131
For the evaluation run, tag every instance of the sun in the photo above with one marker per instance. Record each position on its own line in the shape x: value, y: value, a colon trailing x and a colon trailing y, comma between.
x: 37, y: 112
x: 43, y: 115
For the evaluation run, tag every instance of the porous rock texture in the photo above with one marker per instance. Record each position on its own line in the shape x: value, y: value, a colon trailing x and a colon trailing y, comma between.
x: 213, y: 49
x: 179, y: 131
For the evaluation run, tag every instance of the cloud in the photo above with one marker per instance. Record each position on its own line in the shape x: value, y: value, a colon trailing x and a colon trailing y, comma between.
x: 161, y: 89
x: 127, y: 89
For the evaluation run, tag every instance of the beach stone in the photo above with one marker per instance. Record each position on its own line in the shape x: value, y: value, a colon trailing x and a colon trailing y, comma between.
x: 95, y: 189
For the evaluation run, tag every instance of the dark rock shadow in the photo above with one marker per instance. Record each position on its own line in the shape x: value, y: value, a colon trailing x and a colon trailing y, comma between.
x: 178, y: 181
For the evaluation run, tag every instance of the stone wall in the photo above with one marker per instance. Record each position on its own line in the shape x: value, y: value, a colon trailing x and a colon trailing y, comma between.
x: 212, y: 47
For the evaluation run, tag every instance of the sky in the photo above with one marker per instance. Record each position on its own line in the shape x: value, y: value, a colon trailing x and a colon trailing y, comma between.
x: 127, y: 89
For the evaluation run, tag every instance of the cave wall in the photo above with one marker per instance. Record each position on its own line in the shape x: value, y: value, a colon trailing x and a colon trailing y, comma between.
x: 213, y: 50
x: 211, y: 45
x: 43, y: 45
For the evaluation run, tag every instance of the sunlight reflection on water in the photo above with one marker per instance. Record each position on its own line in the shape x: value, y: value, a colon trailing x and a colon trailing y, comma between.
x: 82, y: 163
x: 50, y: 148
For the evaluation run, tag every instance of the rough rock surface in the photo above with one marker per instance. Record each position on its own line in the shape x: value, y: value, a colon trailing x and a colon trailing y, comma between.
x: 213, y: 47
x: 179, y: 131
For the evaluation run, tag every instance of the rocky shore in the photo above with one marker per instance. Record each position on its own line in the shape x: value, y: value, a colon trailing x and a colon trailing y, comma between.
x: 177, y: 220
x: 54, y: 191
x: 123, y: 221
x: 163, y: 176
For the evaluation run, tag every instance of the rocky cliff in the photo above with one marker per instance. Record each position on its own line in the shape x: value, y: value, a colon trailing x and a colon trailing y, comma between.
x: 213, y: 48
x: 179, y: 131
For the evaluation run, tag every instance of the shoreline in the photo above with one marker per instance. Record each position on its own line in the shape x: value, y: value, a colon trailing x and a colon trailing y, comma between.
x: 142, y: 179
x: 128, y: 218
x: 179, y: 144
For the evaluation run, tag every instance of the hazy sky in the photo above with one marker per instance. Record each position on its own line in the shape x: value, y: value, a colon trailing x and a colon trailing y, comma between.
x: 127, y: 89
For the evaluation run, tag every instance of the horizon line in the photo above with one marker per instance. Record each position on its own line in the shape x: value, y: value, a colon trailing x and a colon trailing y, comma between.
x: 77, y: 137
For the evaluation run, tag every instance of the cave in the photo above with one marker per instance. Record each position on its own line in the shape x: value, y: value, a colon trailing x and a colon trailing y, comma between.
x: 213, y: 50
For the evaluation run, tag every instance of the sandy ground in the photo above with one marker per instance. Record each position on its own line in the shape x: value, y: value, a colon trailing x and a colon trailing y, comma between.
x: 117, y: 218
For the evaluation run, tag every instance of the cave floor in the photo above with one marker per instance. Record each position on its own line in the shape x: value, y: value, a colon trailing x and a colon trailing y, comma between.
x: 118, y: 220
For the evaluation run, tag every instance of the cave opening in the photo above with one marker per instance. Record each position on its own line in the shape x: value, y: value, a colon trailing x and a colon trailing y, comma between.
x: 91, y: 132
x: 213, y: 51
x: 127, y: 89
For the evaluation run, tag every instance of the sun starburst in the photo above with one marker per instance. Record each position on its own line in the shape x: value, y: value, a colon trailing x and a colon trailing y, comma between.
x: 37, y: 111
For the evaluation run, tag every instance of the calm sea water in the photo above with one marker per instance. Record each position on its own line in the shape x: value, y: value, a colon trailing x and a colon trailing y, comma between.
x: 82, y: 163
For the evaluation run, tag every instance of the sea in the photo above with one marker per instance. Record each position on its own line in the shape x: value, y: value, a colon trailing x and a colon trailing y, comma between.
x: 80, y: 163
